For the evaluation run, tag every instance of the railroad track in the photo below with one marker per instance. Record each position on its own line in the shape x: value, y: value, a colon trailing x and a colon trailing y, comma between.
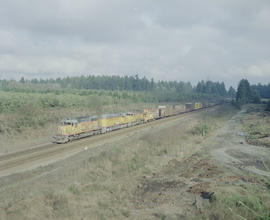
x: 23, y: 160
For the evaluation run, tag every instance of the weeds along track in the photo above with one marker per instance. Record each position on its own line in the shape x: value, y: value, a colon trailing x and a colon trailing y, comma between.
x: 23, y: 160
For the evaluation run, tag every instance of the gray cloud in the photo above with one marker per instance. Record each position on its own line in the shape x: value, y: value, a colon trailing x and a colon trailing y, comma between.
x: 171, y: 40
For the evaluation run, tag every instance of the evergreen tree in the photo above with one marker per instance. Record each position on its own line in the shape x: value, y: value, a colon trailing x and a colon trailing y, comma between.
x: 243, y: 94
x: 22, y: 80
x: 231, y: 92
x: 255, y: 97
x: 246, y: 93
x: 213, y: 88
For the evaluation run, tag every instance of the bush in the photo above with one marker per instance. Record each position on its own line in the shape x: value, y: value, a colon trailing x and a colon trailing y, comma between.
x: 202, y: 129
x: 74, y: 189
x: 50, y: 102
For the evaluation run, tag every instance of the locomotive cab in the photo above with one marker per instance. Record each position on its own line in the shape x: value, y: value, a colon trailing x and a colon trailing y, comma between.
x: 66, y: 129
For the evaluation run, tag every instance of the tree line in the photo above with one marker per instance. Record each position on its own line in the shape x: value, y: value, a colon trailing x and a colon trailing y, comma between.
x: 127, y: 83
x: 247, y: 93
x: 262, y: 90
x: 159, y: 91
x: 140, y: 88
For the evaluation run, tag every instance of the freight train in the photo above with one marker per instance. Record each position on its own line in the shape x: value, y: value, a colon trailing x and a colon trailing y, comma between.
x: 76, y: 128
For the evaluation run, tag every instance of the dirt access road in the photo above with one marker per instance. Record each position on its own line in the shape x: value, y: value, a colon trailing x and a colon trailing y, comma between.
x: 166, y: 171
x: 235, y: 153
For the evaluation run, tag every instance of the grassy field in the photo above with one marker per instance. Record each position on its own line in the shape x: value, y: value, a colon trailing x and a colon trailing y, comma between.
x: 157, y: 173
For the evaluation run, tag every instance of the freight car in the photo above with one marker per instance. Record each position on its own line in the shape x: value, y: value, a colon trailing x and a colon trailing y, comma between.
x: 71, y: 129
x: 193, y: 106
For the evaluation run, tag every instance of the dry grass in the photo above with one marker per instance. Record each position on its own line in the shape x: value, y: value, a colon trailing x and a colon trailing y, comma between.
x: 257, y: 126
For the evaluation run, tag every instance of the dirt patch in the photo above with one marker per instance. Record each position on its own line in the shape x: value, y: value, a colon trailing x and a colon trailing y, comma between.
x: 199, y: 188
x: 229, y: 179
x: 160, y: 185
x: 157, y: 191
x: 193, y: 166
x: 178, y: 179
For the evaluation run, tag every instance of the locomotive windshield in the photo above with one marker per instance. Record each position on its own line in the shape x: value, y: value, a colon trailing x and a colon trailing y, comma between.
x: 69, y: 122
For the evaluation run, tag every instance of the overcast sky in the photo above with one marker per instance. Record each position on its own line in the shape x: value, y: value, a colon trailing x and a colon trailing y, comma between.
x: 220, y: 40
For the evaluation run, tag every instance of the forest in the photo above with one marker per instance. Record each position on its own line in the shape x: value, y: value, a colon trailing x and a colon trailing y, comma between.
x: 133, y: 88
x: 116, y: 83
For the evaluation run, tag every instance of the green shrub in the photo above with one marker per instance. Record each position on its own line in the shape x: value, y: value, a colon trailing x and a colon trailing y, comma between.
x: 202, y: 129
x: 74, y: 189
